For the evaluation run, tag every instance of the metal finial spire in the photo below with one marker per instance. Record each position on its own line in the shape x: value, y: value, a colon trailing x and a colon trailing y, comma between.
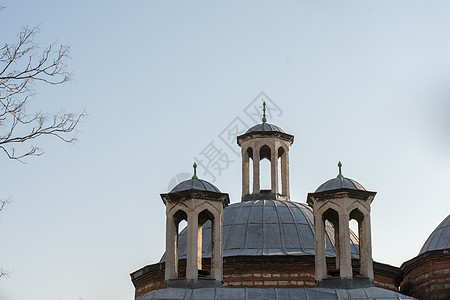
x: 195, y: 171
x: 340, y: 170
x: 264, y: 119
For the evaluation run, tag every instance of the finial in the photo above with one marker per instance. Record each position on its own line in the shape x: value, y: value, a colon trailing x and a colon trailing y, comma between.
x: 264, y: 119
x: 195, y: 171
x: 340, y: 170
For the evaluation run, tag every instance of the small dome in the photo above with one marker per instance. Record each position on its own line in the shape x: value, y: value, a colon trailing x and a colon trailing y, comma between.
x: 265, y: 127
x: 267, y: 227
x: 439, y: 239
x: 340, y: 183
x: 195, y: 184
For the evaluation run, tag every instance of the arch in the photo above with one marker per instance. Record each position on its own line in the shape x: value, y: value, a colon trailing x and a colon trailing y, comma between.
x: 179, y: 216
x: 205, y: 215
x: 280, y: 151
x: 331, y: 215
x: 365, y: 252
x: 206, y: 206
x: 265, y: 152
x: 328, y: 205
x: 356, y: 214
x: 250, y: 152
x: 266, y: 182
x: 184, y: 207
x: 247, y: 170
x: 358, y: 205
x: 172, y: 230
x: 280, y: 179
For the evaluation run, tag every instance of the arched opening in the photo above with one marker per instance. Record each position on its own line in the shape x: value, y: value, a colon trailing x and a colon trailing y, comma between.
x: 265, y: 169
x: 281, y: 177
x: 265, y: 176
x: 182, y: 225
x: 204, y: 270
x: 356, y: 218
x: 353, y: 225
x: 180, y: 222
x: 333, y: 217
x: 250, y: 169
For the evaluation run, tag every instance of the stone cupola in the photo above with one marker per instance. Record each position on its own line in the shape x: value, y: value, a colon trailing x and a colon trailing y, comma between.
x: 265, y: 141
x: 338, y: 201
x: 195, y: 201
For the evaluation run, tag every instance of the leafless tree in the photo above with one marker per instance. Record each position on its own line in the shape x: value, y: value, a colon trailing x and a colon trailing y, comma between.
x: 22, y: 66
x: 3, y: 203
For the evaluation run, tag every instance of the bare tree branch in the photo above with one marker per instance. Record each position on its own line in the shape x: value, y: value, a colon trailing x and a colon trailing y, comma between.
x: 4, y: 273
x: 22, y: 65
x: 3, y: 203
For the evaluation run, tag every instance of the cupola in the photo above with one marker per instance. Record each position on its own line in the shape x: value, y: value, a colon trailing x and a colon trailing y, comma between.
x: 196, y: 201
x: 338, y: 201
x: 265, y: 141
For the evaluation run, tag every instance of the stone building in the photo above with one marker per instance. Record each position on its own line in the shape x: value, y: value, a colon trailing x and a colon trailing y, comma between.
x: 267, y: 245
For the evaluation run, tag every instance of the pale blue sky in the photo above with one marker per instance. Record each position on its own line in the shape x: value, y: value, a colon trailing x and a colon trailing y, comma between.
x: 364, y: 82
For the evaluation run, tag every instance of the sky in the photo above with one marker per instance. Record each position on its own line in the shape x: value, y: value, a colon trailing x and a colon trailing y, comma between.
x: 362, y: 82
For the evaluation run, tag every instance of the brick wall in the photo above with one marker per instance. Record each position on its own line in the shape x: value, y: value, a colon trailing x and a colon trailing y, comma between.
x: 262, y: 272
x: 269, y: 274
x: 427, y: 276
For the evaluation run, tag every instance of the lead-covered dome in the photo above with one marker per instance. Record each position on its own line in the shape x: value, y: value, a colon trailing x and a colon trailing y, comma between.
x: 267, y: 227
x: 265, y: 127
x: 340, y: 183
x: 439, y: 239
x: 195, y: 184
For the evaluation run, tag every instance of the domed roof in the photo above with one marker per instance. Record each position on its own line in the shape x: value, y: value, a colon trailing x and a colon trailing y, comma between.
x: 265, y: 127
x: 195, y: 184
x: 439, y: 238
x: 266, y: 227
x: 340, y: 183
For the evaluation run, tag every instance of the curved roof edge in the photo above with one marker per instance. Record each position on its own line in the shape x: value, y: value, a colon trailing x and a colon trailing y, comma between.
x: 339, y: 183
x: 195, y: 184
x: 373, y: 293
x: 407, y: 265
x: 440, y: 237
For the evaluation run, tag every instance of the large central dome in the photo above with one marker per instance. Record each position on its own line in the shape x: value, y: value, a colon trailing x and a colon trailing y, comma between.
x: 266, y: 227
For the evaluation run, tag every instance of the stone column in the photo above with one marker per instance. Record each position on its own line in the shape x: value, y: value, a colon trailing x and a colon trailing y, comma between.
x: 337, y: 244
x: 274, y: 170
x: 285, y: 173
x: 192, y: 250
x: 199, y: 246
x: 245, y: 172
x: 365, y: 247
x: 171, y: 264
x: 319, y: 242
x: 216, y: 248
x: 345, y: 265
x: 256, y: 165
